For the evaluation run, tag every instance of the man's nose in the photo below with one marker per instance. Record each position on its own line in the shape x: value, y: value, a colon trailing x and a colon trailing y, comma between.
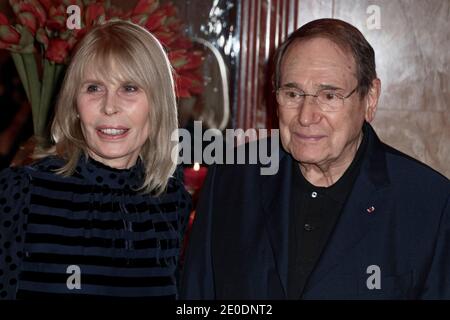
x: 309, y: 111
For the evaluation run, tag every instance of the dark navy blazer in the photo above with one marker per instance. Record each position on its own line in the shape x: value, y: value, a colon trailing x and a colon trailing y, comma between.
x: 239, y: 243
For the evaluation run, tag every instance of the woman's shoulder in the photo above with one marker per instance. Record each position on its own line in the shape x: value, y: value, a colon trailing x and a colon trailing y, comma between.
x: 45, y: 165
x: 20, y: 175
x: 176, y: 185
x: 12, y: 175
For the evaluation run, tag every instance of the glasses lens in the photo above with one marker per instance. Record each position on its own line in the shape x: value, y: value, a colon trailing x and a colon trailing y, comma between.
x: 289, y: 98
x: 329, y: 100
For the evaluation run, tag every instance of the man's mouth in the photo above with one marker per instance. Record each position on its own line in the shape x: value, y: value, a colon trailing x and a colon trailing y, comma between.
x: 309, y: 137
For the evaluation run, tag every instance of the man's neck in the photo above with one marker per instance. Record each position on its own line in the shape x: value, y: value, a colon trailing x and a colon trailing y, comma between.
x: 327, y: 174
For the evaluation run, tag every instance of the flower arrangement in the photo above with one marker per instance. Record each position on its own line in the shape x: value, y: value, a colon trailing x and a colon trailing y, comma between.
x: 40, y: 43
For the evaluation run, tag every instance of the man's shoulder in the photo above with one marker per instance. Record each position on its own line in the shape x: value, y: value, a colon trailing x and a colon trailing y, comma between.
x: 407, y: 169
x: 250, y: 158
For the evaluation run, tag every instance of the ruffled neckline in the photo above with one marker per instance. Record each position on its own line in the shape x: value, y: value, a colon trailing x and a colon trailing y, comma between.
x: 99, y: 173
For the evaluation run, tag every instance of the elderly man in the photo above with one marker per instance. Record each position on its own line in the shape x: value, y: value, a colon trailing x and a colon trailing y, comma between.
x: 346, y: 216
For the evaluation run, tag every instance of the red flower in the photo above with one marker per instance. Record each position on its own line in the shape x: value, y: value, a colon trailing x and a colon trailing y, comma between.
x: 57, y: 18
x: 46, y: 4
x: 28, y: 20
x: 41, y: 37
x: 183, y: 60
x: 58, y: 50
x: 29, y: 13
x: 188, y: 84
x: 155, y: 20
x: 8, y: 35
x: 173, y: 23
x: 182, y: 43
x: 145, y: 6
x: 93, y: 13
x: 35, y: 8
x: 42, y: 23
x: 166, y: 38
x: 113, y: 12
x: 3, y: 20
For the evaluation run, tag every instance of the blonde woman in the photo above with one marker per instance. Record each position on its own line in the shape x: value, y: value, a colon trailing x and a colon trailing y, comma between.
x: 103, y: 214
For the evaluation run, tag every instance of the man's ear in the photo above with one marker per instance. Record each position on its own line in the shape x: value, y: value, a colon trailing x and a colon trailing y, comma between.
x: 372, y: 100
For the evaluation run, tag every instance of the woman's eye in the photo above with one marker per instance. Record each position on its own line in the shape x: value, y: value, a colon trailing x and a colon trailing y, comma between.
x: 130, y: 88
x: 92, y: 88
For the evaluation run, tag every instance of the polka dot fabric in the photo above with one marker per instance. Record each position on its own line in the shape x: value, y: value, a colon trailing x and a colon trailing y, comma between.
x: 127, y: 243
x: 14, y: 184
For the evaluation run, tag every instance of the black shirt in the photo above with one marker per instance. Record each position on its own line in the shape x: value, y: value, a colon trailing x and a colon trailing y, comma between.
x: 313, y: 215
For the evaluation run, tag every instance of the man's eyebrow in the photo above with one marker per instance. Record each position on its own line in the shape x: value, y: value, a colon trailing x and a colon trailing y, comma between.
x: 291, y: 85
x: 329, y: 87
x: 323, y: 86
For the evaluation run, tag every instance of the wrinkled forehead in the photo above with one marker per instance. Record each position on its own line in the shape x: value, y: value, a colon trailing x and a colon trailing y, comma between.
x: 318, y: 59
x: 320, y: 48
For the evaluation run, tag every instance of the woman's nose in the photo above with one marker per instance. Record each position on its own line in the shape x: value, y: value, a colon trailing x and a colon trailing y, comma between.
x: 110, y: 105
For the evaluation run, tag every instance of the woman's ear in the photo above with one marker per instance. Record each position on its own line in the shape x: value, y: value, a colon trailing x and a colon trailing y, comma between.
x: 372, y: 100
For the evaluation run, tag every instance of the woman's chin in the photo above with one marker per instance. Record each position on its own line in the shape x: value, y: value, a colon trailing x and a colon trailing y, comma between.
x: 111, y: 156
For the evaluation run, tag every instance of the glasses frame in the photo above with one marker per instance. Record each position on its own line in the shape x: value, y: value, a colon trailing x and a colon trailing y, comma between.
x: 316, y: 95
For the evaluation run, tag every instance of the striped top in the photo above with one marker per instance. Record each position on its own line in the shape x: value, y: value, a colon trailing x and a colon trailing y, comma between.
x: 88, y: 235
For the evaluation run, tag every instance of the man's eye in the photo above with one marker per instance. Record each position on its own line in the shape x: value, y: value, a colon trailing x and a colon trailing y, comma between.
x: 330, y: 95
x: 292, y: 94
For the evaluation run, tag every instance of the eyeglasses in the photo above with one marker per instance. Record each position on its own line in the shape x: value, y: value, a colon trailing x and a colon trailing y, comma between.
x: 328, y: 100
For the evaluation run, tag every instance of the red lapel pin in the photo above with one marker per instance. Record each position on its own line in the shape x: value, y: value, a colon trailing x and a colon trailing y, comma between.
x: 371, y: 209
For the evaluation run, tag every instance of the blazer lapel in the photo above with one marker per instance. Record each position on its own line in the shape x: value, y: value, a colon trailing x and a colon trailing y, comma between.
x: 356, y: 220
x: 275, y: 197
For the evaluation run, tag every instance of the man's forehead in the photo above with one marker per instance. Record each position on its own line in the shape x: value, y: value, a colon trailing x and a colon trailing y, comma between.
x: 319, y: 50
x: 319, y: 61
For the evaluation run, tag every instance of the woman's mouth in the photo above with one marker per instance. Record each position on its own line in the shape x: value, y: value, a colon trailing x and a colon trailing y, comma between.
x: 112, y: 133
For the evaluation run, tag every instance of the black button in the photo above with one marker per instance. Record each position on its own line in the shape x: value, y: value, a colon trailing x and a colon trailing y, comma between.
x: 308, y: 227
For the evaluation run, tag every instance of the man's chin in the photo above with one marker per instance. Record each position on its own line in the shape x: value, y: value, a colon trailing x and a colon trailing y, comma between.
x: 305, y: 158
x: 307, y: 154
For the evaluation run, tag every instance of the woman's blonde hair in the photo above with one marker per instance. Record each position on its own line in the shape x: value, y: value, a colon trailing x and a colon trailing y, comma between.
x: 134, y: 54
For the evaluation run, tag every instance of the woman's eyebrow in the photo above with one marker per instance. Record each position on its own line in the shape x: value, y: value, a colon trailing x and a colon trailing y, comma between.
x: 96, y: 81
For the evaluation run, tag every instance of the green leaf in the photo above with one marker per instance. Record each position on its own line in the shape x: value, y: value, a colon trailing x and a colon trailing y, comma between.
x: 34, y: 85
x: 47, y: 92
x: 18, y: 61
